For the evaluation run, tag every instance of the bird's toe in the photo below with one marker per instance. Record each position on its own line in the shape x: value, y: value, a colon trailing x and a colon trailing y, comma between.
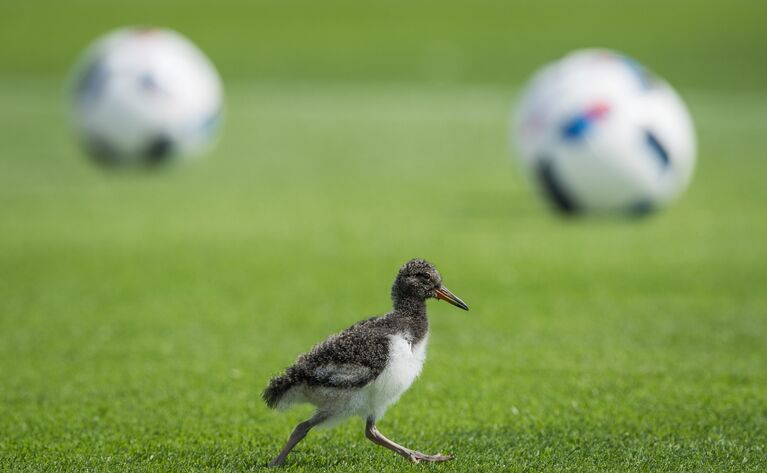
x: 434, y: 458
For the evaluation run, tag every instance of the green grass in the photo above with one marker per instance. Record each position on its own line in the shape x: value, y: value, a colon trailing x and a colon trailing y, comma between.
x: 702, y: 43
x: 143, y: 314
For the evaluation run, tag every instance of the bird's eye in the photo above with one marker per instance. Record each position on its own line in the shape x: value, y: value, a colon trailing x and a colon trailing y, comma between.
x: 423, y: 277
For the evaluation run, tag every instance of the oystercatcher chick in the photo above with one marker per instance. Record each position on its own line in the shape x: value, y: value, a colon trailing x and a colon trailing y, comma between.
x: 364, y: 369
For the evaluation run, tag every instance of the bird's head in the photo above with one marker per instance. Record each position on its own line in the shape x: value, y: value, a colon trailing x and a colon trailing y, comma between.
x: 420, y: 279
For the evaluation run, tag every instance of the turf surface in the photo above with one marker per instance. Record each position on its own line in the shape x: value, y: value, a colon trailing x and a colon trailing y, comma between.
x: 142, y: 314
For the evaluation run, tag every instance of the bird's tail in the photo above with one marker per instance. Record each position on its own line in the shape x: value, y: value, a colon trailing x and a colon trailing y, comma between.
x: 277, y: 388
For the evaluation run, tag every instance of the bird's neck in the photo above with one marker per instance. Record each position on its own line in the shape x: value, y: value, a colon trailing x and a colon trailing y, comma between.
x: 410, y: 306
x: 413, y: 312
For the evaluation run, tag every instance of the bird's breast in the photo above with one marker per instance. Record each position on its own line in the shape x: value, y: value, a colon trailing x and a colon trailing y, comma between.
x: 403, y: 365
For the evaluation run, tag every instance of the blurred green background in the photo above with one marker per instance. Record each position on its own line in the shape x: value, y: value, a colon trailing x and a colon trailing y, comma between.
x: 142, y: 313
x: 706, y: 44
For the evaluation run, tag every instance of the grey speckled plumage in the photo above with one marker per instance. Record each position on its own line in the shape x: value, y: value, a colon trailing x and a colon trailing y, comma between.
x: 359, y: 353
x: 365, y: 368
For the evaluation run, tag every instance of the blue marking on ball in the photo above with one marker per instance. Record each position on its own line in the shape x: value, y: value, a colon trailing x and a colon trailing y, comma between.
x: 658, y: 149
x: 576, y: 128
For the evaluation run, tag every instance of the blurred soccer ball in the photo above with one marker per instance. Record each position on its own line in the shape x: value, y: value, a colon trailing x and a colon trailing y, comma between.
x: 144, y: 96
x: 597, y: 132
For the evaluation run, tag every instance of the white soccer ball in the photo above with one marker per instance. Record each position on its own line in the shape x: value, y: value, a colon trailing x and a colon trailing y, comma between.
x: 144, y: 96
x: 597, y: 132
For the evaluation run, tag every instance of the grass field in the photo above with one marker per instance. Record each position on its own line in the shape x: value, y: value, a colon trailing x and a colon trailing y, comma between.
x: 142, y: 314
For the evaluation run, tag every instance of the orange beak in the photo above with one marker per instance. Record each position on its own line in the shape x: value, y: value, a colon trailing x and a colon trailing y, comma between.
x: 443, y: 294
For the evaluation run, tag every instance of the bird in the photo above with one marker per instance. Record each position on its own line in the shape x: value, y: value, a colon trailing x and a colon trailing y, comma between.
x: 364, y: 369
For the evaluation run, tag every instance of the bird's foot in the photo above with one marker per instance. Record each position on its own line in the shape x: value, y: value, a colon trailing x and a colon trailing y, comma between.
x: 277, y: 462
x: 418, y: 457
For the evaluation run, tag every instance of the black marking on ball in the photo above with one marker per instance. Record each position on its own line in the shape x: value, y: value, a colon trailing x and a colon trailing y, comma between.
x: 159, y: 151
x: 658, y: 149
x: 148, y: 82
x: 92, y: 80
x: 553, y: 188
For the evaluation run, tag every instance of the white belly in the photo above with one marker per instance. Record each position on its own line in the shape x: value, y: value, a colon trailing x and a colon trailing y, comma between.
x: 405, y: 363
x: 403, y: 366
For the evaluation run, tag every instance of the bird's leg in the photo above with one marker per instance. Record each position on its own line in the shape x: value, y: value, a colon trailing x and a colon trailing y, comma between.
x: 372, y: 433
x: 298, y: 434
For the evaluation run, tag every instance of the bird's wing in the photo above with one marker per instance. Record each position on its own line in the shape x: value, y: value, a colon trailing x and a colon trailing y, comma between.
x: 343, y: 375
x: 352, y: 358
